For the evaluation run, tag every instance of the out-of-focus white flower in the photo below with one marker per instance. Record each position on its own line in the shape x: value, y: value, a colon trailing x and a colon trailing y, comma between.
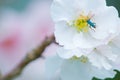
x: 74, y: 69
x: 83, y: 23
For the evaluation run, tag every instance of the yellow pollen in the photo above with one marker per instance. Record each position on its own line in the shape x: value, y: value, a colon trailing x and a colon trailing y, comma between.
x: 75, y: 58
x: 82, y: 59
x: 81, y: 23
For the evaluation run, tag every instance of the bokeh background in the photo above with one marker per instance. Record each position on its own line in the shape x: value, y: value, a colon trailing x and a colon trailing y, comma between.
x: 23, y: 26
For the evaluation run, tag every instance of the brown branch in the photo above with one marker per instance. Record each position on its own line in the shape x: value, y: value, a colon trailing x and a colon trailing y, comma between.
x: 33, y: 55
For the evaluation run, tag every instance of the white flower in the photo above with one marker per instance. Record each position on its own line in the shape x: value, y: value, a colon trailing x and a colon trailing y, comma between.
x: 86, y: 29
x: 104, y: 56
x: 115, y: 47
x: 69, y: 53
x: 84, y: 64
x: 100, y: 57
x: 74, y: 70
x: 107, y: 56
x: 83, y: 23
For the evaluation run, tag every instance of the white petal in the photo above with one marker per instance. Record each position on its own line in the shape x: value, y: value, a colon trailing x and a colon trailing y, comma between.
x: 61, y: 9
x: 106, y: 21
x: 75, y: 70
x: 116, y: 41
x: 82, y: 52
x: 66, y: 54
x: 99, y: 60
x: 116, y: 50
x: 52, y: 66
x: 69, y: 53
x: 115, y: 47
x: 64, y: 34
x: 84, y: 40
x: 102, y: 73
x: 93, y: 5
x: 107, y: 52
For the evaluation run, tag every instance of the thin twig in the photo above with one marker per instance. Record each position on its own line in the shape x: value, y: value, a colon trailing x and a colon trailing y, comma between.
x: 33, y: 55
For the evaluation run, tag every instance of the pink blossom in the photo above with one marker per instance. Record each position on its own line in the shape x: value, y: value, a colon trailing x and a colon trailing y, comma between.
x: 11, y: 40
x: 20, y: 33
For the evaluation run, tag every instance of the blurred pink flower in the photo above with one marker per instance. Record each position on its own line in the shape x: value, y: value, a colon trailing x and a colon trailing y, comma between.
x: 38, y: 25
x: 11, y: 41
x: 38, y: 22
x: 20, y: 33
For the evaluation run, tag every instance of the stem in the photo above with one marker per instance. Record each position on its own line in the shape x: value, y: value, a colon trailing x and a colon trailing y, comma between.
x: 33, y: 55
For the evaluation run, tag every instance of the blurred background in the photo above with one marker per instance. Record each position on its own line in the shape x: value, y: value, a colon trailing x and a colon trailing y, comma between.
x: 23, y: 25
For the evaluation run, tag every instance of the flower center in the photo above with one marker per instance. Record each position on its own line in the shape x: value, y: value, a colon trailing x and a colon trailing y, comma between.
x: 83, y: 23
x: 82, y: 59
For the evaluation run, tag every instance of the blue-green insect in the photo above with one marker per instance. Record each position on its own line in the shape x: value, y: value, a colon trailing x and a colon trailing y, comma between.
x: 91, y: 24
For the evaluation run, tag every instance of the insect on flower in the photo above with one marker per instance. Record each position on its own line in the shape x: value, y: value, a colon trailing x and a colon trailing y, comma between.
x: 92, y: 25
x: 83, y: 23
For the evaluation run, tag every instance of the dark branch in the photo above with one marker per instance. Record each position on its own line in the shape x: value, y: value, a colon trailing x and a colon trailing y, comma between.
x: 33, y: 55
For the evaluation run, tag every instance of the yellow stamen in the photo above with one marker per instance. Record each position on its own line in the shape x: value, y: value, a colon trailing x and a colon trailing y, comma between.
x: 82, y: 59
x: 75, y: 58
x: 81, y: 23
